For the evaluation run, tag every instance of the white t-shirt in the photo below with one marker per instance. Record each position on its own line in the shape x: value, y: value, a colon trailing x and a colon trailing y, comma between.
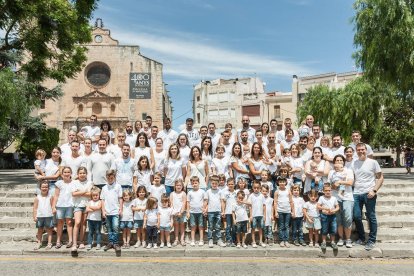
x: 51, y: 167
x: 230, y: 199
x: 131, y: 139
x: 127, y: 213
x: 185, y: 154
x: 178, y: 200
x: 165, y: 216
x: 44, y: 206
x: 124, y: 171
x: 221, y: 166
x: 257, y: 201
x: 365, y: 175
x: 111, y: 193
x: 336, y: 151
x: 192, y: 135
x: 328, y: 202
x: 91, y: 132
x: 78, y: 186
x: 213, y: 200
x: 168, y: 137
x: 195, y: 200
x: 152, y: 216
x: 41, y: 164
x: 240, y: 212
x: 269, y: 210
x: 157, y: 191
x: 97, y: 214
x: 298, y: 204
x: 65, y: 198
x: 67, y: 151
x: 159, y: 159
x: 74, y: 163
x: 139, y: 215
x: 144, y: 178
x: 174, y: 171
x: 311, y: 209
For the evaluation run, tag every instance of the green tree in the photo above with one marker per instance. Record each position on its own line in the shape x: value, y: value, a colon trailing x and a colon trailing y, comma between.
x: 385, y: 42
x: 37, y: 137
x: 397, y: 127
x: 357, y: 106
x: 40, y: 40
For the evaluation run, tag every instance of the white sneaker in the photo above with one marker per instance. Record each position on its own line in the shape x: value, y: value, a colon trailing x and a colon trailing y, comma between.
x: 340, y: 242
x: 221, y: 243
x: 144, y: 244
x: 162, y: 245
x: 210, y: 243
x: 200, y: 243
x: 254, y: 245
x: 238, y: 245
x: 155, y: 246
x: 192, y: 243
x: 149, y: 246
x: 137, y: 244
x: 244, y: 246
x: 169, y: 245
x: 348, y: 243
x: 262, y: 244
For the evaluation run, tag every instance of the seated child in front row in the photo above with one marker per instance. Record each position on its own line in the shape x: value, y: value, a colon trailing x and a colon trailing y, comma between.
x: 43, y: 215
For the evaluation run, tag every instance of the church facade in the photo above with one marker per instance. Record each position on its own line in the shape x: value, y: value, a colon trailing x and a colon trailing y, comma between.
x: 117, y: 84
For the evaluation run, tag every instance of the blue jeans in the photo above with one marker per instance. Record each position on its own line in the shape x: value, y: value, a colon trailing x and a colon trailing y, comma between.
x: 112, y: 224
x: 94, y: 227
x: 214, y: 225
x: 152, y: 234
x: 328, y: 223
x: 297, y: 229
x: 283, y: 226
x: 359, y: 201
x: 169, y: 190
x: 230, y: 229
x: 268, y: 233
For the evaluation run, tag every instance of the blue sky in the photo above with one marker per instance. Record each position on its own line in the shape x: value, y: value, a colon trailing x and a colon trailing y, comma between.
x: 203, y: 40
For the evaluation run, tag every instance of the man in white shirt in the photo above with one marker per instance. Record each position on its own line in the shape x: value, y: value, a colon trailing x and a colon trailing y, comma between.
x: 191, y: 133
x: 246, y: 127
x: 74, y: 160
x: 92, y: 131
x: 153, y: 137
x: 130, y: 137
x: 273, y: 126
x: 336, y: 149
x: 316, y: 130
x: 368, y: 180
x: 66, y: 148
x: 356, y: 139
x: 99, y: 163
x: 125, y: 168
x: 281, y: 134
x: 306, y: 154
x: 246, y: 147
x: 226, y: 143
x: 117, y: 149
x: 168, y: 135
x: 202, y: 133
x: 215, y: 137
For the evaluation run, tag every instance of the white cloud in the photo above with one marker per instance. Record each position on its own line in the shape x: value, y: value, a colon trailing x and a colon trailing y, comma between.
x: 191, y: 56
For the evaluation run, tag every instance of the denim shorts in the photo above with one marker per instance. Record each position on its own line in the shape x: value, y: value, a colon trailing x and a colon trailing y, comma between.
x: 196, y: 219
x: 315, y: 225
x: 45, y: 222
x: 241, y: 227
x: 344, y: 215
x: 165, y: 228
x: 258, y: 222
x: 64, y: 212
x: 126, y: 224
x: 79, y: 209
x: 138, y: 224
x: 182, y: 219
x: 328, y: 224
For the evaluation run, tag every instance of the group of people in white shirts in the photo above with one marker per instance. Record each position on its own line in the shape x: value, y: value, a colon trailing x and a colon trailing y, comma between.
x: 157, y: 179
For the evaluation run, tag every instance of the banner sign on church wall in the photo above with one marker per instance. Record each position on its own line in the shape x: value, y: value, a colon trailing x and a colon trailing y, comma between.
x: 139, y: 86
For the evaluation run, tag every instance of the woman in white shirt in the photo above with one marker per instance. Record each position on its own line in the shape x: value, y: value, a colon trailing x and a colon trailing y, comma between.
x: 142, y: 147
x: 184, y: 145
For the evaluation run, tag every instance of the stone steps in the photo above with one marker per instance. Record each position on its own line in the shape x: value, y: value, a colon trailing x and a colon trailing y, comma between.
x: 19, y: 212
x: 17, y: 194
x: 16, y: 202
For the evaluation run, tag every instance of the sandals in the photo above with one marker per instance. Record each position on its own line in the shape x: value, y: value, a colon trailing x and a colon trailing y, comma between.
x: 38, y: 246
x: 58, y: 245
x: 175, y: 243
x: 183, y: 243
x: 49, y: 246
x: 81, y: 246
x: 69, y: 245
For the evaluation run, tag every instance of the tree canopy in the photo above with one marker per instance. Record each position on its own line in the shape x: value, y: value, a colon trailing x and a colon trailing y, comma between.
x: 39, y: 40
x: 384, y: 37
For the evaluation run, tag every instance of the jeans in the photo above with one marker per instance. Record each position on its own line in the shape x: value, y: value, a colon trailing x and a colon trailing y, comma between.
x: 283, y: 226
x: 230, y: 229
x: 359, y: 201
x: 297, y: 229
x: 152, y: 234
x: 328, y: 224
x: 94, y: 227
x: 169, y: 190
x: 214, y: 225
x: 268, y: 233
x: 112, y: 224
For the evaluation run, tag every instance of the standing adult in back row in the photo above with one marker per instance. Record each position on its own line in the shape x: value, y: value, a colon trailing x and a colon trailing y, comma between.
x: 368, y: 180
